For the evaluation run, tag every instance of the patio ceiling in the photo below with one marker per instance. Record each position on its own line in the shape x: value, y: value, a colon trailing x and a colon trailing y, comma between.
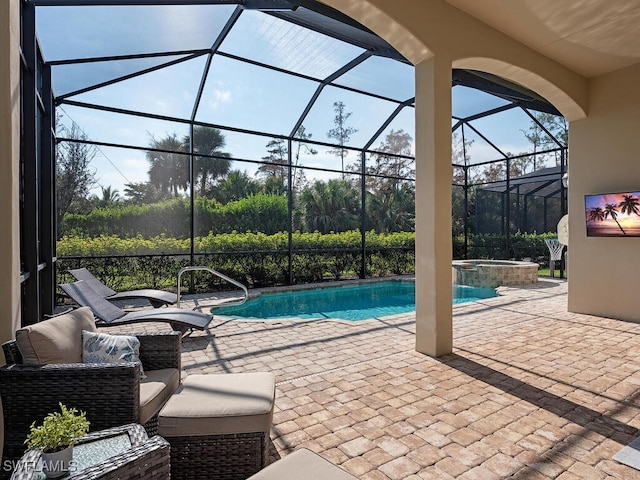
x: 590, y: 37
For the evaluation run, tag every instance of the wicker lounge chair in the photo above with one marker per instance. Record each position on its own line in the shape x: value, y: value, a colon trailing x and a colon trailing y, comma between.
x: 109, y: 314
x: 157, y: 298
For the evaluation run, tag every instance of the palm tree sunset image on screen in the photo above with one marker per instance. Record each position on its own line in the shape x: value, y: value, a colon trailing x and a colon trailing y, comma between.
x: 613, y: 214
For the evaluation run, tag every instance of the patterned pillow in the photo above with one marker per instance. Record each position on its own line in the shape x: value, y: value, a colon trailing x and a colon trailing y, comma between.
x: 105, y: 348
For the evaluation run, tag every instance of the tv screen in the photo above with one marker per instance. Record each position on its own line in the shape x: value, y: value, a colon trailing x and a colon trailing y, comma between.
x: 613, y: 214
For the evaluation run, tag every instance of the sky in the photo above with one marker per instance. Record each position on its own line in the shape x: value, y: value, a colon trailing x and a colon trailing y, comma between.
x: 236, y: 94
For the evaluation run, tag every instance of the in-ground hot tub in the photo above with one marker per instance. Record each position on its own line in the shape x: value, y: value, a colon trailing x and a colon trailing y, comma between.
x: 493, y: 273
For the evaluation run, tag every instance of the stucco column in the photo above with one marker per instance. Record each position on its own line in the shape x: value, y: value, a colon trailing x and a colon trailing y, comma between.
x: 9, y: 173
x: 9, y: 168
x: 434, y: 331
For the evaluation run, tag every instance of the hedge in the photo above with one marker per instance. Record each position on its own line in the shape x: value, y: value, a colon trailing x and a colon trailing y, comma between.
x: 259, y: 259
x: 255, y: 259
x: 260, y: 212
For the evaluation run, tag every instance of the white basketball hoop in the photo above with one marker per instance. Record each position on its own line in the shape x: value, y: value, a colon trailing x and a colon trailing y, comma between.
x: 555, y: 248
x: 555, y: 253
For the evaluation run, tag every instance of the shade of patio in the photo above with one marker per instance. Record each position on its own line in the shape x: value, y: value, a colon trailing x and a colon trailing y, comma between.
x: 530, y: 392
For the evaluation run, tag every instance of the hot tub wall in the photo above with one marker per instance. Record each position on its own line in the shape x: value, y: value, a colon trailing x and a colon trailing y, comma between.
x: 479, y: 275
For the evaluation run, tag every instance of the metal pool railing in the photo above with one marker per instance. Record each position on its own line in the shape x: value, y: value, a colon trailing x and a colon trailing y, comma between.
x: 218, y: 274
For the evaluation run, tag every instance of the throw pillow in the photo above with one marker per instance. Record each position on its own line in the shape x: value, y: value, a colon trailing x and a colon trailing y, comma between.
x: 105, y: 348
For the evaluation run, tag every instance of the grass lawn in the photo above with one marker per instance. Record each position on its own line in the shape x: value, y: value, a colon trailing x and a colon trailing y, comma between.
x: 545, y: 272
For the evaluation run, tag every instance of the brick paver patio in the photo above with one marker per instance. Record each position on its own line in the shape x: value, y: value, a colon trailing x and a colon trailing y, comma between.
x: 529, y: 392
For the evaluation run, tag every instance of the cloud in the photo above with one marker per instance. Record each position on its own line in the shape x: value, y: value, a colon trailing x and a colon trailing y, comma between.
x: 219, y: 97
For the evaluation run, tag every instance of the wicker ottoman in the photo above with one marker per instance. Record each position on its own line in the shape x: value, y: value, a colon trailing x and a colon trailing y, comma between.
x: 218, y: 425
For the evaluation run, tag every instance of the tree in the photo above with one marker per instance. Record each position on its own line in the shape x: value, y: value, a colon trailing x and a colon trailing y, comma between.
x: 331, y: 206
x: 299, y: 178
x: 496, y: 172
x: 109, y: 197
x: 341, y: 133
x: 275, y: 186
x: 391, y: 163
x: 538, y: 138
x: 74, y: 178
x: 596, y: 214
x: 611, y: 210
x: 210, y: 162
x: 390, y: 203
x: 277, y: 160
x: 144, y: 192
x: 599, y: 214
x: 462, y: 212
x: 169, y: 169
x: 460, y: 149
x: 234, y: 186
x: 394, y: 212
x: 630, y: 205
x: 556, y: 125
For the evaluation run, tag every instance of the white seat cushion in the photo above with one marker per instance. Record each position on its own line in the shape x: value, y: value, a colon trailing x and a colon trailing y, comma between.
x: 155, y: 390
x: 302, y: 464
x: 219, y: 404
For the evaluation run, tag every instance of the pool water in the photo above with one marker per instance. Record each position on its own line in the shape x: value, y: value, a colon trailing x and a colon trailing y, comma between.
x: 351, y: 302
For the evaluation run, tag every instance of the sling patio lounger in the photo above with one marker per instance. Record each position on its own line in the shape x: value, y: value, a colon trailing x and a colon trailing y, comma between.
x: 109, y: 314
x: 157, y: 298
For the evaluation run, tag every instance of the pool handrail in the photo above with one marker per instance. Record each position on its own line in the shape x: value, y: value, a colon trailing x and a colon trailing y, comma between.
x: 193, y: 268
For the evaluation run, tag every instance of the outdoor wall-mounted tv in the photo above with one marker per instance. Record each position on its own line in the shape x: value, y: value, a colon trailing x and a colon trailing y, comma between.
x: 613, y: 214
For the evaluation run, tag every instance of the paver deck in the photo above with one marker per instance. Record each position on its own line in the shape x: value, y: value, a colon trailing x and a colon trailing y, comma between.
x: 529, y: 392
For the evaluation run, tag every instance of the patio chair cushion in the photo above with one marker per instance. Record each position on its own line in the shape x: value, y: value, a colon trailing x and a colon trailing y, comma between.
x: 56, y: 340
x: 104, y: 348
x: 155, y: 389
x: 302, y: 463
x: 220, y: 404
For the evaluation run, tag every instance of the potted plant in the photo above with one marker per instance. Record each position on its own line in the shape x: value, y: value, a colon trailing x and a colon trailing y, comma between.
x: 56, y: 437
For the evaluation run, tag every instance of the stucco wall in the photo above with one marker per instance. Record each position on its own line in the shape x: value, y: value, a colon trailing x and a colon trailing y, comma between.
x: 604, y: 157
x: 9, y: 161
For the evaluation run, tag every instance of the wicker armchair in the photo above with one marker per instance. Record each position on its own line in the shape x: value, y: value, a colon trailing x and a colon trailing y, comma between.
x: 109, y: 393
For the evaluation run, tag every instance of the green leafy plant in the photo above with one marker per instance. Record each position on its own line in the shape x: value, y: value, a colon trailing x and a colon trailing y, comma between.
x: 58, y: 431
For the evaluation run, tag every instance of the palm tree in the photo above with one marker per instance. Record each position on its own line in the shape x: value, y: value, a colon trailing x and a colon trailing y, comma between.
x: 110, y: 196
x: 597, y: 214
x: 393, y: 211
x: 611, y: 210
x: 169, y: 168
x: 629, y: 205
x: 208, y: 143
x: 333, y: 206
x: 143, y: 192
x: 236, y: 185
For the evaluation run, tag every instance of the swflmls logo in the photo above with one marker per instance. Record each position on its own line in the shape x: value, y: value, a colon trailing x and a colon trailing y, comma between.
x: 58, y: 465
x: 10, y: 466
x: 34, y: 466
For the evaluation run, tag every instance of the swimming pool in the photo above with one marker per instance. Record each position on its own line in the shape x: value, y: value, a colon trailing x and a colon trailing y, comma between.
x: 349, y: 302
